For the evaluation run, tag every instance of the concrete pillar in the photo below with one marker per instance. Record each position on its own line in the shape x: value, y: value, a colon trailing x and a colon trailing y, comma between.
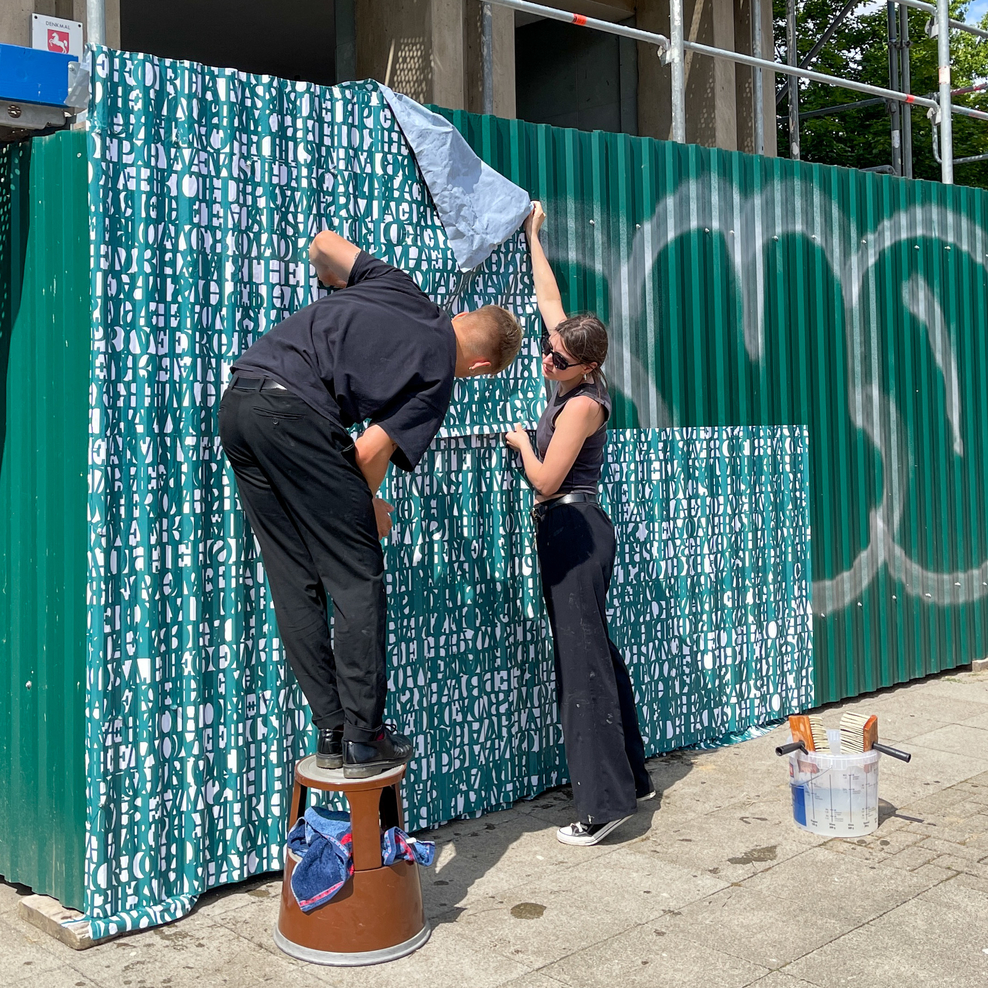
x: 504, y: 60
x: 15, y: 22
x: 744, y: 76
x: 414, y: 46
x: 710, y: 86
x: 15, y: 18
x: 448, y: 66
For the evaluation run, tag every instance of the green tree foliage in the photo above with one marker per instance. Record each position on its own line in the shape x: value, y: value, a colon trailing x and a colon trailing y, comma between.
x: 859, y: 50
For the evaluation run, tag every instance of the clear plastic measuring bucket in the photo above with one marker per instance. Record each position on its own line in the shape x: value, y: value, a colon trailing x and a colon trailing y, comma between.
x: 836, y: 795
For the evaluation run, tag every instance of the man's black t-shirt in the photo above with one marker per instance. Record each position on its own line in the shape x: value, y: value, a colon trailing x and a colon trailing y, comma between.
x: 379, y: 349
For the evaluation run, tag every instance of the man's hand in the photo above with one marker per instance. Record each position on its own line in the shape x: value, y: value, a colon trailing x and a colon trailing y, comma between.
x: 518, y: 438
x: 382, y: 512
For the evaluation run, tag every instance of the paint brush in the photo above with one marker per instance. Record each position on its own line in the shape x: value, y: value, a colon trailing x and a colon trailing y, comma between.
x: 860, y: 733
x: 819, y: 732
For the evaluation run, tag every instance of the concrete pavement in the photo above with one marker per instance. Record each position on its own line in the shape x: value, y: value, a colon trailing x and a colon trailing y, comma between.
x: 710, y: 885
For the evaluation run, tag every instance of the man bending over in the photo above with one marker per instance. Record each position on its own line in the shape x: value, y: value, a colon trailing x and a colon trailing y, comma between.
x: 380, y: 350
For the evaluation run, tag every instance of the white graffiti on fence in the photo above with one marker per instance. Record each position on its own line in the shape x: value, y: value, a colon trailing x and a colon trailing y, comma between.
x: 748, y: 225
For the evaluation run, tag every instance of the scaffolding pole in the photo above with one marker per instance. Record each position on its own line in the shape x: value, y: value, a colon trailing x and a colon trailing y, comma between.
x: 487, y: 55
x: 677, y: 67
x: 931, y: 8
x: 818, y: 46
x: 905, y: 80
x: 792, y: 57
x: 757, y: 98
x: 826, y: 111
x: 891, y: 17
x: 568, y: 17
x: 662, y: 43
x: 96, y: 22
x: 946, y: 121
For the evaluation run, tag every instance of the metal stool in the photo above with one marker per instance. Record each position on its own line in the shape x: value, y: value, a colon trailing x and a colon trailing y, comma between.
x: 377, y: 916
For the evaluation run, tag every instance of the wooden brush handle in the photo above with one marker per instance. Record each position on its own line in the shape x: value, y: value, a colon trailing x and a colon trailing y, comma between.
x: 799, y: 728
x: 903, y: 756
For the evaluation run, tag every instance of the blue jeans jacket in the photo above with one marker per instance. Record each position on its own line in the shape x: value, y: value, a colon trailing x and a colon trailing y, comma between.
x: 322, y: 840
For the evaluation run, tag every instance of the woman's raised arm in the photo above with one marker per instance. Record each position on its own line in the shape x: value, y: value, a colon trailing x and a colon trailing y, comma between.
x: 546, y: 289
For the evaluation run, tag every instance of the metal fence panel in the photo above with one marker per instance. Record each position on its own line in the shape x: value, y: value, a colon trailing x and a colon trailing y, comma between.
x: 44, y: 379
x: 755, y: 291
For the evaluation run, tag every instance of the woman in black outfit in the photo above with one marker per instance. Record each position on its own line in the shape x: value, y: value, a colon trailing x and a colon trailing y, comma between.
x: 575, y: 540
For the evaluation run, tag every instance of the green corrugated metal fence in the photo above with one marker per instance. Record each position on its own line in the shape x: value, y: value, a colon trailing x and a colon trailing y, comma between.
x: 44, y: 380
x: 739, y: 291
x: 744, y: 290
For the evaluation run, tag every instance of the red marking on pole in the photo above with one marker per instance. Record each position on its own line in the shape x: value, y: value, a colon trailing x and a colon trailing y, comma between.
x: 579, y: 20
x: 910, y: 99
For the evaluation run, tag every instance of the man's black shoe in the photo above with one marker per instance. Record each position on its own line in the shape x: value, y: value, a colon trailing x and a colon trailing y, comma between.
x: 362, y: 759
x: 329, y: 754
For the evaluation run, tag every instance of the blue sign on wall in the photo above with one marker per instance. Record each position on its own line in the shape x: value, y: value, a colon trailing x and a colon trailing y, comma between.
x: 28, y: 75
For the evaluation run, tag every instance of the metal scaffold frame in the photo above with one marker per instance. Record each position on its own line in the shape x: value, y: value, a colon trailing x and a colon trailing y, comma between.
x: 672, y: 51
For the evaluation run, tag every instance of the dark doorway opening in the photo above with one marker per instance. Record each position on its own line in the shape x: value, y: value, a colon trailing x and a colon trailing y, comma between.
x: 293, y: 39
x: 571, y: 77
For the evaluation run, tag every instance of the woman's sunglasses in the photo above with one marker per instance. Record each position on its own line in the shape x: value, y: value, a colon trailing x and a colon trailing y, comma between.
x: 560, y: 363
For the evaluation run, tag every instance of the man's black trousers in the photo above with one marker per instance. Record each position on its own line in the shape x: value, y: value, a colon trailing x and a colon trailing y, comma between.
x: 312, y: 513
x: 604, y: 749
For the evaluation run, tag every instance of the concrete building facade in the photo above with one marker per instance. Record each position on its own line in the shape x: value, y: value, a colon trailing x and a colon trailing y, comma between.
x: 544, y: 71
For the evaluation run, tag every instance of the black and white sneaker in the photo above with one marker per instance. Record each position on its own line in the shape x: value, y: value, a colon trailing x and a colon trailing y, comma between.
x: 643, y: 796
x: 586, y: 834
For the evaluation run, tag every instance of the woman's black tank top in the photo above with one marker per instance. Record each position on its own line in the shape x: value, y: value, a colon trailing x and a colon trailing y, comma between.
x: 585, y: 474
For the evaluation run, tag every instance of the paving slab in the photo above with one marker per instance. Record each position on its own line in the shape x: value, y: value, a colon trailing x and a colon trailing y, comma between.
x: 961, y: 739
x: 962, y: 865
x: 10, y: 895
x: 733, y: 843
x: 970, y: 686
x: 253, y: 922
x: 779, y: 979
x: 649, y: 957
x: 883, y: 845
x: 581, y: 905
x: 192, y: 951
x: 972, y: 882
x: 710, y: 884
x: 445, y: 960
x: 930, y: 771
x: 226, y: 898
x: 765, y: 929
x: 911, y: 858
x: 838, y: 883
x: 448, y: 960
x: 62, y: 976
x: 977, y: 720
x: 935, y: 802
x: 967, y: 841
x: 25, y: 952
x: 536, y: 979
x: 936, y: 938
x: 476, y: 861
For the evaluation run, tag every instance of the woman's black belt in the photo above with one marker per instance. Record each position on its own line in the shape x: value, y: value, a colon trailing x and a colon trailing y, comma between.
x: 542, y: 508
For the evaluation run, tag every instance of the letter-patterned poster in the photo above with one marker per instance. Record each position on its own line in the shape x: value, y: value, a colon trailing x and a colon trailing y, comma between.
x: 206, y: 187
